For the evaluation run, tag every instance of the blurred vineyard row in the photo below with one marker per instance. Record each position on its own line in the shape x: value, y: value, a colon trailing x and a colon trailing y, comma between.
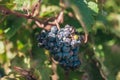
x: 100, y: 56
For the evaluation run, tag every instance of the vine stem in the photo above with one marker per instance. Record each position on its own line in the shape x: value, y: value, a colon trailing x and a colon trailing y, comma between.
x: 54, y: 70
x: 55, y: 21
x: 7, y: 11
x: 46, y: 24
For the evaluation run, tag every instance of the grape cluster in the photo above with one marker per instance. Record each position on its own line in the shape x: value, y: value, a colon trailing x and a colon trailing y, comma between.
x: 63, y: 45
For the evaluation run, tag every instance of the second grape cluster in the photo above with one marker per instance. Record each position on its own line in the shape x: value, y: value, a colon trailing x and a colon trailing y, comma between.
x: 63, y: 45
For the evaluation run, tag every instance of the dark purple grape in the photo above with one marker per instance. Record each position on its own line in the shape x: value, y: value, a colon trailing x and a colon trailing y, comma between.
x: 66, y: 55
x: 40, y: 37
x: 51, y: 37
x: 73, y: 44
x: 51, y: 44
x: 56, y: 49
x: 54, y: 29
x: 73, y: 58
x: 67, y: 26
x: 75, y: 51
x: 47, y: 47
x: 40, y: 44
x: 78, y: 42
x: 59, y: 44
x: 63, y: 45
x: 66, y: 49
x: 67, y: 40
x: 76, y: 64
x: 66, y: 34
x: 63, y: 63
x: 60, y: 35
x: 66, y: 44
x: 58, y: 56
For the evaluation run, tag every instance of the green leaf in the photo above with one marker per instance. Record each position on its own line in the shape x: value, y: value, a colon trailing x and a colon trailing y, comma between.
x: 93, y: 6
x: 7, y: 3
x: 14, y: 24
x: 82, y: 12
x: 114, y: 23
x: 22, y: 3
x: 48, y: 11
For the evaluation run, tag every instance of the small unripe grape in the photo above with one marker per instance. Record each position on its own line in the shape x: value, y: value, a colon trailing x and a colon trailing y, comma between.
x: 76, y: 37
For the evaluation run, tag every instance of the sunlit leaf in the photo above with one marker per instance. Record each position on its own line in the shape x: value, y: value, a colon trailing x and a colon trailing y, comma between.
x: 82, y: 12
x: 20, y: 4
x: 93, y: 6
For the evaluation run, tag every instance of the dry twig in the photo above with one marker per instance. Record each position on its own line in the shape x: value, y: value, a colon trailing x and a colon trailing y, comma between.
x: 54, y: 70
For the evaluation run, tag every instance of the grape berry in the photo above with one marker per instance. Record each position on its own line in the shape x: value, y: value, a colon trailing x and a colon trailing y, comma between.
x: 63, y: 45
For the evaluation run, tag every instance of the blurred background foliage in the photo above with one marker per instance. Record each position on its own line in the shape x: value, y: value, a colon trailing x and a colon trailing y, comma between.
x: 100, y: 56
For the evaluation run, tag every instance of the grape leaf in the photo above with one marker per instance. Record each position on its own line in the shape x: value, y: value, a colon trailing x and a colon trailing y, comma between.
x: 7, y: 3
x: 14, y: 24
x: 93, y: 6
x: 82, y: 12
x: 21, y: 3
x: 24, y: 4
